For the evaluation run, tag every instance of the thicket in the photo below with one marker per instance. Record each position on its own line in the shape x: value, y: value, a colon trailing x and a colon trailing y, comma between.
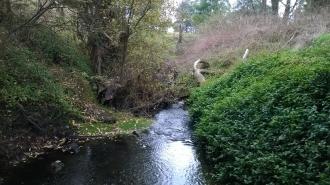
x: 30, y: 95
x: 268, y: 121
x: 58, y: 48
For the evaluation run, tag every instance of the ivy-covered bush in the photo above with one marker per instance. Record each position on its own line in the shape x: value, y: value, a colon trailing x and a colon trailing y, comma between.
x: 268, y: 121
x: 28, y: 91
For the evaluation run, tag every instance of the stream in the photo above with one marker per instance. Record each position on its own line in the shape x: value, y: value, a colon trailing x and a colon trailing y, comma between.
x: 163, y: 155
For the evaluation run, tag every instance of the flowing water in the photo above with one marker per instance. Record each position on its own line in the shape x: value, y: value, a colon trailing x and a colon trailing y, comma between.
x: 164, y: 155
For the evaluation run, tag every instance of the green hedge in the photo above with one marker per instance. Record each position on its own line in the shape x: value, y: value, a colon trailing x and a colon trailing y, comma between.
x: 268, y: 121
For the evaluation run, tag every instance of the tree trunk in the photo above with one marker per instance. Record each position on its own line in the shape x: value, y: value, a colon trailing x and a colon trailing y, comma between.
x: 96, y: 55
x: 124, y: 49
x: 8, y: 6
x: 39, y: 4
x: 275, y: 4
x: 287, y: 11
x: 97, y: 59
x: 5, y: 10
x: 264, y: 6
x: 180, y: 33
x: 123, y: 41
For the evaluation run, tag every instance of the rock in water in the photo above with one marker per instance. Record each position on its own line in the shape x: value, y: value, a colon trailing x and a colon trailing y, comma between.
x: 135, y: 133
x: 57, y: 166
x: 108, y: 119
x: 72, y: 148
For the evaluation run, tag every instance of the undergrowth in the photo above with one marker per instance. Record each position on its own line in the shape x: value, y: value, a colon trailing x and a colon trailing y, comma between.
x: 267, y: 121
x: 126, y: 124
x: 27, y: 88
x: 44, y: 78
x: 59, y: 48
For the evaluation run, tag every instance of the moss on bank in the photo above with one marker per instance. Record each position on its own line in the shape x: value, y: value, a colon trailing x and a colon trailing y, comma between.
x: 126, y: 124
x: 267, y: 121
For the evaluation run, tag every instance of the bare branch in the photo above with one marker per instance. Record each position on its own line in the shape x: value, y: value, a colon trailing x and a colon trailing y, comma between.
x: 42, y: 10
x: 144, y: 13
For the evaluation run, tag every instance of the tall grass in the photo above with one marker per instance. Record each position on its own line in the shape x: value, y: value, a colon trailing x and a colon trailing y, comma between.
x: 223, y: 39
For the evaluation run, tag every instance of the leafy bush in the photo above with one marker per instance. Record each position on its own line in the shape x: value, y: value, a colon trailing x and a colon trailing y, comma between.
x: 268, y: 121
x: 27, y: 83
x: 59, y: 48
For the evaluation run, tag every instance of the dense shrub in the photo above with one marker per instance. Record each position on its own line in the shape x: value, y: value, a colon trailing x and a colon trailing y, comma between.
x: 268, y: 121
x: 27, y: 83
x: 58, y: 48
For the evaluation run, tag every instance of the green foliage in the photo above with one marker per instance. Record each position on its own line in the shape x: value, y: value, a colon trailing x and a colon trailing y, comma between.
x: 205, y: 8
x: 58, y: 48
x: 95, y: 129
x: 147, y: 74
x: 134, y: 124
x: 24, y: 81
x: 184, y: 83
x: 126, y: 125
x: 268, y: 121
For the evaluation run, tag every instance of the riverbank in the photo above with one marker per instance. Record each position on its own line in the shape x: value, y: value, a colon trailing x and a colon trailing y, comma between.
x: 165, y: 154
x: 22, y: 148
x: 49, y: 91
x: 267, y: 121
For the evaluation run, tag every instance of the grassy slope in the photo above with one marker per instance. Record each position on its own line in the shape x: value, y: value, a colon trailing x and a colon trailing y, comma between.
x: 267, y: 121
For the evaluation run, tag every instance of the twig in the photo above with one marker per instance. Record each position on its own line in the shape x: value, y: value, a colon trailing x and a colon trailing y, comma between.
x: 43, y: 9
x: 291, y: 38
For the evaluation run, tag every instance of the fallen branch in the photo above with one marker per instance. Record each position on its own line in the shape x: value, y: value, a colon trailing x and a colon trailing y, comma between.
x: 41, y: 11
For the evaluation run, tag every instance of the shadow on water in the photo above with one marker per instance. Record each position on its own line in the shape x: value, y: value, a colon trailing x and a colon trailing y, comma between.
x: 165, y: 155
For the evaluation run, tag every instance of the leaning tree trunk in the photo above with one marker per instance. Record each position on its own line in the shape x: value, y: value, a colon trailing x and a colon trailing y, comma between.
x: 96, y: 55
x: 5, y: 10
x: 264, y: 6
x: 123, y: 44
x: 275, y: 4
x: 287, y: 11
x: 124, y: 48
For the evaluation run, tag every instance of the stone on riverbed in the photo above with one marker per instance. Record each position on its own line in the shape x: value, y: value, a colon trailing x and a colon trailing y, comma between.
x: 135, y: 133
x: 57, y: 166
x: 72, y: 148
x: 108, y: 119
